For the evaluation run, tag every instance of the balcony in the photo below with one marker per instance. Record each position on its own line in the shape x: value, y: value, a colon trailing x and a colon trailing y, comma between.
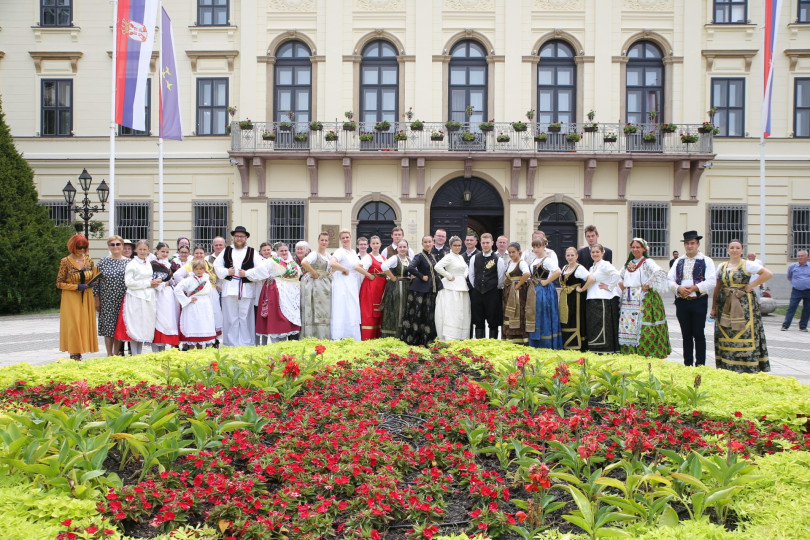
x: 501, y: 139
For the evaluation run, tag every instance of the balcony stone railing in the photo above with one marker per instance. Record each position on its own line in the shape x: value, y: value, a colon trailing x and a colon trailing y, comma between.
x: 500, y: 137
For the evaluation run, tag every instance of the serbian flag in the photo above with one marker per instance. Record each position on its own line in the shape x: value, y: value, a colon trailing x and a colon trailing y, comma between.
x: 134, y: 38
x: 170, y: 126
x: 772, y: 10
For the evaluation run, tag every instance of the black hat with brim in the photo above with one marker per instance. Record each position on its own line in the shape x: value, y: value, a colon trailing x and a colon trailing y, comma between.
x: 691, y: 235
x: 240, y: 229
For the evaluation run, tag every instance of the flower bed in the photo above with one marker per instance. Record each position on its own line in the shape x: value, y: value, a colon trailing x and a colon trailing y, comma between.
x: 372, y: 440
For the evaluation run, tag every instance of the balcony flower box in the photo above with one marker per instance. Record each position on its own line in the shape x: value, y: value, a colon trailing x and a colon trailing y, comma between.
x: 468, y: 136
x: 541, y: 137
x: 573, y: 137
x: 610, y: 137
x: 453, y: 125
x: 349, y: 126
x: 437, y: 136
x: 331, y: 136
x: 301, y: 137
x: 650, y: 137
x: 285, y: 126
x: 269, y: 136
x: 708, y: 127
x: 316, y: 126
x: 487, y: 126
x: 366, y: 136
x: 400, y: 136
x: 668, y: 128
x: 630, y: 128
x: 590, y: 128
x: 519, y: 126
x: 417, y: 125
x: 555, y: 127
x: 689, y: 138
x: 503, y: 138
x: 385, y: 125
x: 246, y: 125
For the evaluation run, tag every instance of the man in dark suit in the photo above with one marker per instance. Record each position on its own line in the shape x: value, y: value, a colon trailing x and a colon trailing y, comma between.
x: 470, y: 241
x: 440, y: 247
x: 584, y: 253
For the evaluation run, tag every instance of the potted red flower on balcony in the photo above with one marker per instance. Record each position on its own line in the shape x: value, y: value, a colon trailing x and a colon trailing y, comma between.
x: 555, y: 127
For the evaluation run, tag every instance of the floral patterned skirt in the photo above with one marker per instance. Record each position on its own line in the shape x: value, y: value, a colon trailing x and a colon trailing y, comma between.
x: 653, y: 340
x: 418, y: 326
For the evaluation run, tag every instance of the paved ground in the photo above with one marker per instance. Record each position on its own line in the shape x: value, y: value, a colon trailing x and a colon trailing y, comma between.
x: 35, y: 339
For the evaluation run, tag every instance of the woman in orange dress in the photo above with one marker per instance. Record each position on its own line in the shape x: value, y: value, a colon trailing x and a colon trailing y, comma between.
x: 77, y: 313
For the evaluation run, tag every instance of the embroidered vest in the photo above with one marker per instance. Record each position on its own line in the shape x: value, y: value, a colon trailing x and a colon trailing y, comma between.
x: 486, y: 275
x: 247, y: 263
x: 698, y: 271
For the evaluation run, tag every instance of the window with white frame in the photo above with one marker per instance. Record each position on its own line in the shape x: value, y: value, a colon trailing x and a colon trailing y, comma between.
x: 799, y: 229
x: 57, y: 107
x: 728, y: 97
x: 58, y: 211
x: 212, y: 106
x: 210, y: 219
x: 132, y: 220
x: 55, y: 13
x: 801, y: 107
x: 212, y: 12
x: 803, y: 15
x: 650, y: 221
x: 726, y: 222
x: 730, y: 11
x: 287, y: 221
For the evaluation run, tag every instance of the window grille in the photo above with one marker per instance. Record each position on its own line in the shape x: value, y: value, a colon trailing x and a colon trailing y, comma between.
x: 726, y: 222
x: 650, y: 221
x: 287, y: 221
x: 132, y: 220
x: 799, y: 230
x: 58, y: 211
x: 210, y: 220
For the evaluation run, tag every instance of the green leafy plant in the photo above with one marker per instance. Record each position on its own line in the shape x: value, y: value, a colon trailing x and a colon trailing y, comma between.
x: 541, y: 137
x: 630, y: 128
x: 689, y: 138
x: 384, y: 125
x: 593, y: 517
x: 668, y: 128
x: 366, y: 136
x: 573, y: 137
x: 437, y: 136
x: 330, y: 136
x: 417, y: 125
x: 246, y: 124
x: 650, y: 137
x: 453, y: 125
x: 520, y: 126
x: 400, y: 136
x: 487, y: 126
x: 502, y: 138
x: 269, y: 135
x: 316, y: 125
x: 468, y: 136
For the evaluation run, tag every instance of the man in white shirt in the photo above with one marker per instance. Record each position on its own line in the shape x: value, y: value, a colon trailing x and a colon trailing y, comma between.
x: 502, y: 245
x: 238, y: 292
x: 692, y: 280
x: 528, y: 253
x: 486, y: 274
x: 397, y: 234
x: 217, y: 245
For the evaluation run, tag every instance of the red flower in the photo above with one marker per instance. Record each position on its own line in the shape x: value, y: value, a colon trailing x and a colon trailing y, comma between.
x: 522, y: 361
x: 738, y: 414
x: 511, y: 380
x: 67, y: 522
x: 521, y: 516
x: 92, y: 529
x: 538, y: 476
x: 214, y: 367
x: 320, y: 349
x: 562, y: 373
x: 292, y: 369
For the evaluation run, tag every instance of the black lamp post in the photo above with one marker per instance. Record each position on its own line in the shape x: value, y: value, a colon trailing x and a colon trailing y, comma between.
x: 85, y: 211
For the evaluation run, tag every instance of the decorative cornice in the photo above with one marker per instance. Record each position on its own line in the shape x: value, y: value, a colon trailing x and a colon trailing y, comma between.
x: 559, y: 5
x: 73, y: 31
x: 196, y: 55
x: 356, y: 58
x: 40, y: 56
x: 648, y: 5
x: 746, y: 54
x: 469, y: 5
x: 196, y: 30
x: 794, y: 55
x: 379, y: 5
x: 291, y: 5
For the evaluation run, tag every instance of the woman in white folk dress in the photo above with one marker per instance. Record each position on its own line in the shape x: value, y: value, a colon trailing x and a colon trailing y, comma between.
x: 345, y: 290
x: 278, y: 313
x: 168, y: 310
x: 199, y: 255
x: 136, y: 322
x: 196, y: 295
x: 452, y: 315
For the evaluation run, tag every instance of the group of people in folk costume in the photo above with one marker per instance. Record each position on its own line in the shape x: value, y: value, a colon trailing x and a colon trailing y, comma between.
x: 449, y: 290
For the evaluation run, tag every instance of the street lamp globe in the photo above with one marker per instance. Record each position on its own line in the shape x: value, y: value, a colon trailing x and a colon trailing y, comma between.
x: 70, y: 193
x: 103, y: 192
x: 85, y: 180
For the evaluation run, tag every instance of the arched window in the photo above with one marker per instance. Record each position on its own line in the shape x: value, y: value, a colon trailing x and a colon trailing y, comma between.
x: 293, y: 83
x: 556, y: 83
x: 645, y: 82
x: 379, y: 84
x: 376, y: 218
x: 468, y: 83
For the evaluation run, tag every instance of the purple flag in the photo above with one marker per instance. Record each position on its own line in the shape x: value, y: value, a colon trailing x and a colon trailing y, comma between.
x: 170, y: 126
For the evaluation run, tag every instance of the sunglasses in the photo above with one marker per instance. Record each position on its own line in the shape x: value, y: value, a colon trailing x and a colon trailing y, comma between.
x: 111, y: 244
x: 82, y: 247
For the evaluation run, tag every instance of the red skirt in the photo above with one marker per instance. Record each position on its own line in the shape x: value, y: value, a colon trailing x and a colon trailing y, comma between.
x: 275, y: 322
x: 160, y: 337
x: 121, y: 327
x: 371, y: 292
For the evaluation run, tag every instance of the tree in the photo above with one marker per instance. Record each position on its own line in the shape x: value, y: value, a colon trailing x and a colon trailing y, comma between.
x: 31, y: 245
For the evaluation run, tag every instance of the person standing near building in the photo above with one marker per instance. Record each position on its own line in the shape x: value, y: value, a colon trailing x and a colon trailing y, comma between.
x: 584, y: 254
x: 502, y: 249
x: 674, y: 258
x: 371, y: 291
x: 602, y: 304
x: 419, y: 323
x: 345, y: 290
x: 486, y: 274
x: 316, y: 292
x: 798, y: 276
x: 692, y: 280
x: 519, y: 315
x: 545, y: 330
x: 453, y: 301
x: 397, y: 234
x: 529, y: 255
x: 238, y: 291
x: 136, y: 322
x: 77, y: 316
x: 396, y: 291
x: 440, y: 248
x: 217, y: 245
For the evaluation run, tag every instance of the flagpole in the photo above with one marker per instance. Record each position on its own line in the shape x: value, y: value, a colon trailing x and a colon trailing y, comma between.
x: 113, y: 125
x: 160, y: 127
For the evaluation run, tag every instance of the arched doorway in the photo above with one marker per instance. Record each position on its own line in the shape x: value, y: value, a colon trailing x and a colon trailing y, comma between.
x: 376, y: 218
x: 464, y: 203
x: 559, y: 222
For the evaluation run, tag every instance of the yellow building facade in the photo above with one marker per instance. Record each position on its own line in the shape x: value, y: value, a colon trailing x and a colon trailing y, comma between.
x: 432, y: 62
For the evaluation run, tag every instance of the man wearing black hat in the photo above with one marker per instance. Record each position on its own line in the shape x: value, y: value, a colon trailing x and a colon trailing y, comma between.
x: 238, y: 292
x: 692, y: 280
